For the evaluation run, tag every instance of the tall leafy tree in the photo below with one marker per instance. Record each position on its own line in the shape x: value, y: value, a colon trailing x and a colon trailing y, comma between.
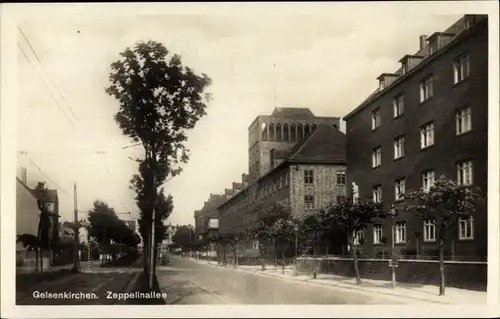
x: 352, y: 217
x: 184, y: 237
x: 44, y: 223
x: 160, y: 99
x: 444, y: 204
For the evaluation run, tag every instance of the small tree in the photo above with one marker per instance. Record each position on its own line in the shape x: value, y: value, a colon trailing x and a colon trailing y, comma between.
x: 352, y: 217
x: 282, y: 233
x: 444, y: 204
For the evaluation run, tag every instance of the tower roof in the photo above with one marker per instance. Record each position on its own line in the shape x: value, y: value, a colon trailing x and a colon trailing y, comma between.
x: 292, y: 112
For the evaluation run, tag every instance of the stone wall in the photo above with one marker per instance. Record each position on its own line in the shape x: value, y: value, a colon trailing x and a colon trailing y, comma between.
x: 459, y: 274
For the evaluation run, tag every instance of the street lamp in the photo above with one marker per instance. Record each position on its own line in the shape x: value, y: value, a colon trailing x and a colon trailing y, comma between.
x: 393, y: 213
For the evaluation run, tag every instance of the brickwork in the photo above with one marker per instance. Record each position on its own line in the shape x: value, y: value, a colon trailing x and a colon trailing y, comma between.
x: 448, y: 149
x: 324, y: 188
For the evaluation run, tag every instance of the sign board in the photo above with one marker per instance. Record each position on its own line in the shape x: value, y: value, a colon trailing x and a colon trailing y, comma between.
x: 213, y: 223
x: 396, y: 265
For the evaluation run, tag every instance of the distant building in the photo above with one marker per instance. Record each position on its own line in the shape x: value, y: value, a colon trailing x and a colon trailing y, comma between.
x: 207, y: 219
x: 427, y: 119
x: 296, y: 160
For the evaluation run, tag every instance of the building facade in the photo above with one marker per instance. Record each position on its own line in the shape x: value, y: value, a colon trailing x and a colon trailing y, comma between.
x: 26, y: 212
x: 427, y: 119
x: 280, y: 131
x: 303, y: 179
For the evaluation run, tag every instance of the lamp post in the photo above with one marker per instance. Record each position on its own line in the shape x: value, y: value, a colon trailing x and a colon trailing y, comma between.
x: 393, y: 214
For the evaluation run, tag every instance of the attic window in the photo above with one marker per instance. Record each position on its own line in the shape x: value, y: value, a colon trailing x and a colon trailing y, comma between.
x: 404, y: 68
x: 381, y: 84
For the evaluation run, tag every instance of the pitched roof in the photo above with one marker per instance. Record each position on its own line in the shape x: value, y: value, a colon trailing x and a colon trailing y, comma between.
x: 325, y: 145
x: 292, y: 112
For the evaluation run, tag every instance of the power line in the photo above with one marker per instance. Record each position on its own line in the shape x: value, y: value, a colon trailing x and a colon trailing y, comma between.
x: 47, y: 176
x: 82, y: 151
x: 41, y: 65
x: 46, y: 86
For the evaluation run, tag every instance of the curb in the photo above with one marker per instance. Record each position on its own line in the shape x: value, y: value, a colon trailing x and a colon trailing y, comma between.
x: 310, y: 281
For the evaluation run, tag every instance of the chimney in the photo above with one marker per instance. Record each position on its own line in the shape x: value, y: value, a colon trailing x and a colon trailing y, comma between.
x: 423, y: 41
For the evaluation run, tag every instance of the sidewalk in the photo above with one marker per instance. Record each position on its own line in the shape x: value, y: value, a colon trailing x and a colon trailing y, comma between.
x: 417, y: 292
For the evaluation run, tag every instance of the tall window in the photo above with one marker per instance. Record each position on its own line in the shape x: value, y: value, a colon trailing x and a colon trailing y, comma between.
x: 376, y: 156
x: 400, y: 232
x: 377, y: 194
x: 464, y: 121
x: 309, y: 201
x: 377, y: 234
x: 399, y: 189
x: 427, y: 180
x: 429, y: 230
x: 398, y: 105
x: 399, y: 147
x: 375, y: 118
x: 308, y: 176
x: 426, y: 88
x: 286, y: 178
x: 341, y: 178
x: 272, y: 157
x: 427, y: 135
x: 280, y: 181
x: 466, y: 228
x: 358, y: 236
x: 464, y: 173
x: 461, y: 68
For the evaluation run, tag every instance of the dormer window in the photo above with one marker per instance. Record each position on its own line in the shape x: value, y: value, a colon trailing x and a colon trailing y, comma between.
x: 404, y: 68
x: 385, y: 79
x: 381, y: 85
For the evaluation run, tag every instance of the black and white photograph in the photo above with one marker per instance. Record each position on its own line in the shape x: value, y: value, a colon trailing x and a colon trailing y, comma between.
x: 250, y: 154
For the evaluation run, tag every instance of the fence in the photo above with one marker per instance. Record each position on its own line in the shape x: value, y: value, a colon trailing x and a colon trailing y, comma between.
x: 461, y: 274
x: 26, y: 261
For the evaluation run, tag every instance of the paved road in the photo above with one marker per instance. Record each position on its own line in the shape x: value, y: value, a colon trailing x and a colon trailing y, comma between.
x: 189, y: 282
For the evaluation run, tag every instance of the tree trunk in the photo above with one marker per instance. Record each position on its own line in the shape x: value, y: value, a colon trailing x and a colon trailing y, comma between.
x: 355, y: 258
x: 282, y: 261
x: 442, y: 283
x: 37, y: 247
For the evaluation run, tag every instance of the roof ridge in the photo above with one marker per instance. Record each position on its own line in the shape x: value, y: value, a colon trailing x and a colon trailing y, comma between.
x: 304, y: 142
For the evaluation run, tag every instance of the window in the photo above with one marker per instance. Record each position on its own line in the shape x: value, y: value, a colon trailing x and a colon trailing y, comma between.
x: 400, y: 235
x: 427, y: 180
x: 377, y: 156
x: 426, y: 89
x: 466, y: 228
x: 280, y: 182
x: 357, y: 237
x: 399, y: 105
x: 399, y: 188
x: 377, y: 194
x: 341, y: 178
x: 308, y: 176
x: 427, y: 135
x: 461, y: 69
x: 429, y: 230
x: 375, y: 118
x: 286, y: 178
x: 464, y: 173
x: 340, y: 198
x: 377, y: 234
x: 271, y: 157
x: 255, y: 245
x: 464, y: 121
x: 309, y: 202
x: 399, y: 147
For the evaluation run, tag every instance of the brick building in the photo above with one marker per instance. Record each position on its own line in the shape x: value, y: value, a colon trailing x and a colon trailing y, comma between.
x: 301, y: 176
x: 207, y: 219
x: 427, y: 119
x: 279, y: 131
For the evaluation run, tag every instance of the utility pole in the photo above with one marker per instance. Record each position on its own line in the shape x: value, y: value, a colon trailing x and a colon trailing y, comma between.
x: 76, y: 231
x: 153, y: 200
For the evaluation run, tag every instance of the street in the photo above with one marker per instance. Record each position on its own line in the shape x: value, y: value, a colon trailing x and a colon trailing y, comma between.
x: 189, y: 282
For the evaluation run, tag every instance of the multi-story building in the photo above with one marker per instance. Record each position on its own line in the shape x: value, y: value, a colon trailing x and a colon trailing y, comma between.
x: 277, y: 133
x: 427, y: 119
x: 207, y: 219
x: 302, y: 173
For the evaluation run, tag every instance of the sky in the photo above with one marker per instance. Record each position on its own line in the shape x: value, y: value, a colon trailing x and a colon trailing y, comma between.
x: 328, y: 61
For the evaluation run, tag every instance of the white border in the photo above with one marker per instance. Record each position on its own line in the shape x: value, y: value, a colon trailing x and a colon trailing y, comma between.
x: 10, y: 12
